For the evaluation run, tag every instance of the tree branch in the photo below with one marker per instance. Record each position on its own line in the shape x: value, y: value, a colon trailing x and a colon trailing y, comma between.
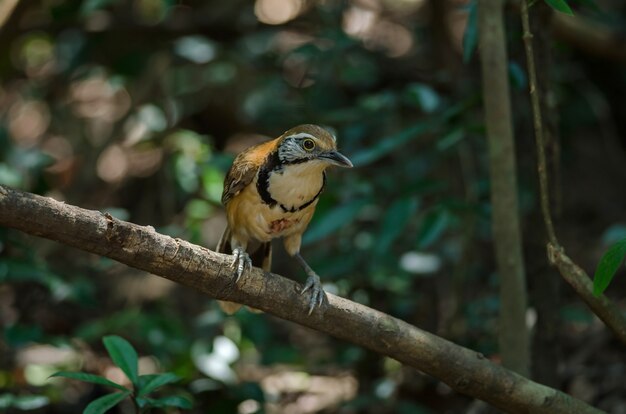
x: 538, y: 126
x: 604, y: 308
x: 573, y: 274
x: 590, y: 37
x: 464, y: 370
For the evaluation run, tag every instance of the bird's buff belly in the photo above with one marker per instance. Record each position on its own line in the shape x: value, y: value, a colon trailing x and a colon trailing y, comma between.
x: 266, y: 223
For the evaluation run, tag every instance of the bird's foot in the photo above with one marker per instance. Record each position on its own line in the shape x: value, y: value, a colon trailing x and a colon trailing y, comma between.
x: 318, y: 296
x: 241, y: 262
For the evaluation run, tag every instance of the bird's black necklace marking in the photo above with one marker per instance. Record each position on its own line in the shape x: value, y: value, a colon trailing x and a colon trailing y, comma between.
x: 273, y: 164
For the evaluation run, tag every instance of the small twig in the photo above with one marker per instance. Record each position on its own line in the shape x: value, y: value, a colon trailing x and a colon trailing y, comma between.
x: 572, y: 273
x: 538, y: 124
x: 580, y: 281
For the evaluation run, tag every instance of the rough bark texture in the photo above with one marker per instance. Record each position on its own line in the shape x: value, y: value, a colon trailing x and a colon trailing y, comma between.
x: 208, y: 272
x: 514, y: 338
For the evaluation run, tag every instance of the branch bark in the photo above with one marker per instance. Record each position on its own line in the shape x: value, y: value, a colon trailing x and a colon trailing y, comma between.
x: 578, y: 279
x: 464, y: 370
x: 514, y: 338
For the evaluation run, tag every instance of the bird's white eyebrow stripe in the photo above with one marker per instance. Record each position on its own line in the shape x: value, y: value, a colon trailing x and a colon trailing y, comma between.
x: 300, y: 135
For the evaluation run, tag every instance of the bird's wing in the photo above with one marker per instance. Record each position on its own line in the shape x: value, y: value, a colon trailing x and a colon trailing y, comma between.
x: 245, y: 167
x: 241, y: 174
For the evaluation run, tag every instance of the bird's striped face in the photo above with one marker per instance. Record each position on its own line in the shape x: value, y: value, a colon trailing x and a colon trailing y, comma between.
x: 308, y: 143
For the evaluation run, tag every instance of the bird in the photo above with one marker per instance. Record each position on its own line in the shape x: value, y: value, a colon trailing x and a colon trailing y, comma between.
x: 271, y: 191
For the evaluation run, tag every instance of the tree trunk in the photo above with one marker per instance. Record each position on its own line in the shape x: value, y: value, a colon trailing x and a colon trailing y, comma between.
x: 513, y: 335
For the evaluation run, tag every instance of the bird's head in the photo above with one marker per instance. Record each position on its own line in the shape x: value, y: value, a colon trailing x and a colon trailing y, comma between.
x: 306, y: 143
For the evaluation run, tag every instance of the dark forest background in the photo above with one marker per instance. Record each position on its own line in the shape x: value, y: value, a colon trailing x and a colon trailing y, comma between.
x: 136, y: 108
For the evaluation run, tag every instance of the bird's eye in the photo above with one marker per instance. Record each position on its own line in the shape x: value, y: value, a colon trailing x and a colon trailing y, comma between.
x: 308, y: 144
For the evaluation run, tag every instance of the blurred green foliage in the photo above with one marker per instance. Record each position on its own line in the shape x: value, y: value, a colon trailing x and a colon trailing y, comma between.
x: 125, y: 357
x: 138, y: 107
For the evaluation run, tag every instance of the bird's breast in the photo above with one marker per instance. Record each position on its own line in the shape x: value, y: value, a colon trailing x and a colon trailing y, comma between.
x: 295, y: 185
x: 251, y: 218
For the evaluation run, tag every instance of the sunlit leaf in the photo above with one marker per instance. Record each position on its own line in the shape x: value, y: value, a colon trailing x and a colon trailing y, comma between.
x: 609, y: 263
x: 560, y: 5
x: 152, y: 117
x: 333, y: 220
x: 213, y: 184
x: 123, y: 355
x: 149, y: 383
x: 10, y: 176
x: 94, y: 379
x: 470, y: 37
x: 198, y: 209
x: 30, y: 402
x: 197, y: 49
x: 6, y: 400
x: 105, y: 403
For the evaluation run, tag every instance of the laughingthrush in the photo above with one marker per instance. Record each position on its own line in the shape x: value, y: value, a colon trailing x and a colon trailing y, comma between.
x: 271, y: 191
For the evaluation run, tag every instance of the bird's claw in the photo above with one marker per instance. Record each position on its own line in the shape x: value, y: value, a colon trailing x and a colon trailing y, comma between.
x: 318, y: 296
x: 241, y: 262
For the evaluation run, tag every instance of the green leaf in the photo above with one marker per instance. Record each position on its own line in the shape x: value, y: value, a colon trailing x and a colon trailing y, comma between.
x: 470, y: 37
x: 387, y: 145
x: 149, y: 383
x: 105, y: 403
x: 90, y: 6
x: 336, y: 218
x: 609, y: 263
x: 19, y: 335
x: 450, y: 139
x: 435, y: 223
x: 172, y: 401
x: 94, y: 379
x: 517, y: 76
x: 560, y: 5
x: 123, y: 355
x: 394, y: 221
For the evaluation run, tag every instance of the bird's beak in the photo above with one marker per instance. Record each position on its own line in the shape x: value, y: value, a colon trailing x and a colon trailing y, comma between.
x: 336, y: 158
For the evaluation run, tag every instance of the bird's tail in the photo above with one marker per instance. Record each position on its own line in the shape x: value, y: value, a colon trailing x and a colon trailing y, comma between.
x: 261, y: 257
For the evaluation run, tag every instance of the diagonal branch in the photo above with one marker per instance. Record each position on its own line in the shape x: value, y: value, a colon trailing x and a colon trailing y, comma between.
x: 464, y: 370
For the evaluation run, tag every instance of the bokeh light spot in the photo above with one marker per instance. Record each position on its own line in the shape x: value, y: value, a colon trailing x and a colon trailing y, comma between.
x: 28, y: 121
x: 112, y: 164
x: 277, y: 11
